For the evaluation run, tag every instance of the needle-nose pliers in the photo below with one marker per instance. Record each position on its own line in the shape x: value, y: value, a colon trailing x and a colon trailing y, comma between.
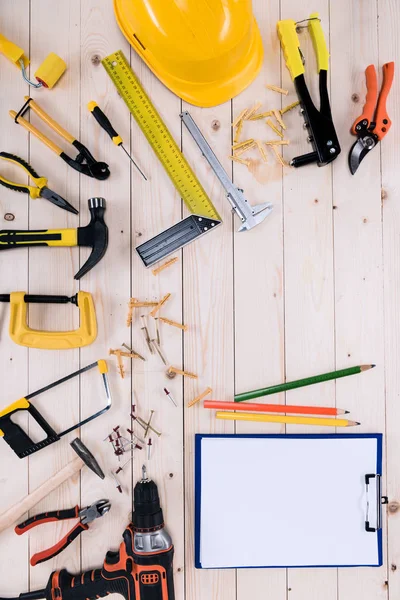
x: 41, y: 191
x: 85, y: 516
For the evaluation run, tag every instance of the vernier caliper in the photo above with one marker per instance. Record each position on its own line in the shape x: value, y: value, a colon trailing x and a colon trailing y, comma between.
x: 249, y: 215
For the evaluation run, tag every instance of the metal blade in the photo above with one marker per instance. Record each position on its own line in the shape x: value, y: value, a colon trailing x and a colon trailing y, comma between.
x: 45, y: 192
x: 260, y: 212
x: 358, y: 152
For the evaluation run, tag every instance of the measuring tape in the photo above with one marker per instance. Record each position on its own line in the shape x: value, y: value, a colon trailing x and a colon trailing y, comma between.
x: 158, y: 136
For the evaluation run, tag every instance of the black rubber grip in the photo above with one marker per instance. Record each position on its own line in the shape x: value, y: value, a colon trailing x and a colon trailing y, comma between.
x: 39, y: 299
x: 20, y: 161
x: 19, y: 238
x: 47, y: 517
x: 41, y: 557
x: 104, y: 122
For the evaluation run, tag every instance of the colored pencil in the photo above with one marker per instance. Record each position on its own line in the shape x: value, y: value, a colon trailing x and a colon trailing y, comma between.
x: 230, y: 416
x: 291, y: 385
x: 275, y: 408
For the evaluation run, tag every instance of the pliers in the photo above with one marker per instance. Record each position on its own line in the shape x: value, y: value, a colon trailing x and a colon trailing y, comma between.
x: 374, y: 123
x: 41, y: 191
x: 85, y: 516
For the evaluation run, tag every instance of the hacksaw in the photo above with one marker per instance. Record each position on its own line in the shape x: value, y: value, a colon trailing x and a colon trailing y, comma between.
x: 167, y: 151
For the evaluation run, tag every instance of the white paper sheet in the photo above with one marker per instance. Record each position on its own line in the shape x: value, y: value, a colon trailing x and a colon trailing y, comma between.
x: 287, y: 502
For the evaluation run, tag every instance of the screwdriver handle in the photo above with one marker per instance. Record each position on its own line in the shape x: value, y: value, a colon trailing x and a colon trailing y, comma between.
x: 104, y: 122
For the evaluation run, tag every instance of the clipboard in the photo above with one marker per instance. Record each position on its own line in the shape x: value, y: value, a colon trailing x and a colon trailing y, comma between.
x: 282, y: 501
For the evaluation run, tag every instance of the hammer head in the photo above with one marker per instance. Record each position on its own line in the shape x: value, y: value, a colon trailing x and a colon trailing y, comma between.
x: 94, y: 235
x: 84, y: 453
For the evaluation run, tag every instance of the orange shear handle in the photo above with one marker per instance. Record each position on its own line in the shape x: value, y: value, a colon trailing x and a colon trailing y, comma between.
x: 370, y: 100
x: 383, y: 123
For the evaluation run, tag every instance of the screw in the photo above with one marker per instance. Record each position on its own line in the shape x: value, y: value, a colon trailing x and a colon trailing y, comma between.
x: 332, y: 151
x: 96, y: 59
x: 329, y: 143
x: 355, y: 98
x: 9, y: 217
x: 148, y: 423
x: 215, y: 124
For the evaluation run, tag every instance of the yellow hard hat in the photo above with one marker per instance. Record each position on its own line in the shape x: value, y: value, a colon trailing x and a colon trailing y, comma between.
x: 205, y: 51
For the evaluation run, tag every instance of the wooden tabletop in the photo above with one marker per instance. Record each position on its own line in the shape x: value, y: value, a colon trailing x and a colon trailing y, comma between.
x: 315, y: 287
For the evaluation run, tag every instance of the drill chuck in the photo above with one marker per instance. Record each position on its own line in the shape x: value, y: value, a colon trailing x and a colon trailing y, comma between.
x: 147, y: 514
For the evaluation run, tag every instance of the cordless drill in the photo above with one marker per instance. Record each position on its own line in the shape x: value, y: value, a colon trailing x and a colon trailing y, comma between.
x: 140, y: 570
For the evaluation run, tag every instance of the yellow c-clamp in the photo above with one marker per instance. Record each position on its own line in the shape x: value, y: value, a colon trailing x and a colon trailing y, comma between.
x: 23, y: 335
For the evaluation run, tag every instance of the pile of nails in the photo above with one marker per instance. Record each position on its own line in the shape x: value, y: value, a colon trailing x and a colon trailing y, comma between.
x: 122, y: 445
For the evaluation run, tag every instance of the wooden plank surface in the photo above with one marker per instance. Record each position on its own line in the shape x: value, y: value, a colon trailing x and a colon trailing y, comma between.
x: 314, y: 287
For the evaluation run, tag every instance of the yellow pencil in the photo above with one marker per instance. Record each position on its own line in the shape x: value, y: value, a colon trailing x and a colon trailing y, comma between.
x: 231, y: 416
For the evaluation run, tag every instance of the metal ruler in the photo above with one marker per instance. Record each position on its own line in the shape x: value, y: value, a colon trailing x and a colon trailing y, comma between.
x: 158, y: 136
x: 249, y: 215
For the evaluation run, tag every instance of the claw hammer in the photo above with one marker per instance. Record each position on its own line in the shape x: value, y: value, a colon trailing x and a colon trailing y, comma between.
x: 94, y: 236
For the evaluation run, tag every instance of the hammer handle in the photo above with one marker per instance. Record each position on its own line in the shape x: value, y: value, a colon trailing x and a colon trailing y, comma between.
x: 19, y: 238
x: 15, y: 513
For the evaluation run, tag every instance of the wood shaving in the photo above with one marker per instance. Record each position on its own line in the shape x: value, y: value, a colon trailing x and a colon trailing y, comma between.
x: 239, y: 160
x: 289, y: 107
x: 276, y: 88
x: 262, y: 151
x: 279, y: 119
x: 275, y: 129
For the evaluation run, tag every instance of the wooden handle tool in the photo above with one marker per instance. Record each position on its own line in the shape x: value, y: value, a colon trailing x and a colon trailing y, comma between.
x: 17, y: 511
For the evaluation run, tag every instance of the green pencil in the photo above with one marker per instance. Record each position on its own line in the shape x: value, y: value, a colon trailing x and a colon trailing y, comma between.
x: 292, y: 385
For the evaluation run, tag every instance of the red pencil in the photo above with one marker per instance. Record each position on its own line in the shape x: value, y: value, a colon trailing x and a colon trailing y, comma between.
x: 275, y: 408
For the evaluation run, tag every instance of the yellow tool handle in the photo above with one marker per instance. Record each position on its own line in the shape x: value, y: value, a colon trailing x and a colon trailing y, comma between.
x: 319, y: 43
x: 13, y: 52
x: 34, y: 192
x: 32, y: 129
x: 50, y: 121
x: 290, y: 47
x: 14, y: 238
x: 41, y: 182
x: 21, y: 404
x: 102, y: 366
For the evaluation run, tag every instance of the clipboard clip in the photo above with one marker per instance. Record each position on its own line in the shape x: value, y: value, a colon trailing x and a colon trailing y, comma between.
x: 380, y: 500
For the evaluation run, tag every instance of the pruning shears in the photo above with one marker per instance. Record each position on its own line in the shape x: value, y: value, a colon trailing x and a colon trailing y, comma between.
x: 40, y: 191
x: 374, y: 123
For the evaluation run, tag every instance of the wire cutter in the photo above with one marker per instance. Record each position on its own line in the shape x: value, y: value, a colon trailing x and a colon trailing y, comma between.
x: 374, y: 123
x: 85, y: 516
x: 41, y: 191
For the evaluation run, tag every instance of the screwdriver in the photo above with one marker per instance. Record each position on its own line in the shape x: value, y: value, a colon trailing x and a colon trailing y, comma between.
x: 104, y: 122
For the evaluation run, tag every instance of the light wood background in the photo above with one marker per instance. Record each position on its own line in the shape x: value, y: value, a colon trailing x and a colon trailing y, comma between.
x: 315, y: 287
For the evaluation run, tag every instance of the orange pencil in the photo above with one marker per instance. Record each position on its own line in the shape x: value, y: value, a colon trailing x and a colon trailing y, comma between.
x: 275, y: 408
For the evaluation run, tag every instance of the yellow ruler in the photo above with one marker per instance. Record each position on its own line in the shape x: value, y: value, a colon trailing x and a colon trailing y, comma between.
x: 158, y: 136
